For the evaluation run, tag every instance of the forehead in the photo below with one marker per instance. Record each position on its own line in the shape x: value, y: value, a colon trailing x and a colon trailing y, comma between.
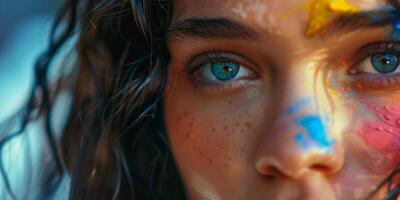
x: 272, y: 16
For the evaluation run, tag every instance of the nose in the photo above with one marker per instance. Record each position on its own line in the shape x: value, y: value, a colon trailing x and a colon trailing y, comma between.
x: 298, y: 144
x: 300, y: 136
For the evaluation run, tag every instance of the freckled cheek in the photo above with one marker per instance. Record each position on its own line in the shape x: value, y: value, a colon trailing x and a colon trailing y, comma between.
x: 207, y: 145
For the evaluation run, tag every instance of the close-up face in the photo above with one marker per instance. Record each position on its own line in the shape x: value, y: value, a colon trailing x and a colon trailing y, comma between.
x: 284, y: 99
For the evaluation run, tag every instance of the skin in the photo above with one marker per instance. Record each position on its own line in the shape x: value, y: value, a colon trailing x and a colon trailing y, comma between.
x: 297, y: 130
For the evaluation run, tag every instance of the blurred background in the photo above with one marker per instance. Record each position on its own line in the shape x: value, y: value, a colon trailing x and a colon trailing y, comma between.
x: 24, y: 32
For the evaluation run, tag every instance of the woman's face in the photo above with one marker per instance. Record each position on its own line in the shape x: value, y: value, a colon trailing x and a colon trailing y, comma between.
x: 283, y: 99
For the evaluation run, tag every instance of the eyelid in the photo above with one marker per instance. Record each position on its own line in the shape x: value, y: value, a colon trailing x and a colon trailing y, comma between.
x: 217, y: 56
x: 378, y: 82
x: 371, y: 49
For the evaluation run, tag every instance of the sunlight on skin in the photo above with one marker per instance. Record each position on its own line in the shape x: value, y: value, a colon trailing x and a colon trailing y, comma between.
x: 260, y: 13
x: 204, y: 189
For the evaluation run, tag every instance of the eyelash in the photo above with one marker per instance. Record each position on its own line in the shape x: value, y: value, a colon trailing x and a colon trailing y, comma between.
x: 376, y: 81
x: 215, y: 87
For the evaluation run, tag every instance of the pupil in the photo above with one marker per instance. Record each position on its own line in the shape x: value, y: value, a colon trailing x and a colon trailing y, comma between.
x: 227, y: 68
x: 385, y: 61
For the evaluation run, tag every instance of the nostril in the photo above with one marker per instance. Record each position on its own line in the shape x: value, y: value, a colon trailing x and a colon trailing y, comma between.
x: 268, y: 172
x: 321, y: 168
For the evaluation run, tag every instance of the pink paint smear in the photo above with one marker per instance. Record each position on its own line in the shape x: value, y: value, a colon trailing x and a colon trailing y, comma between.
x: 384, y: 134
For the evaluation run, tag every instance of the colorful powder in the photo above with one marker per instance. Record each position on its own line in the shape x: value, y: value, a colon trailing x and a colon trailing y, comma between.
x: 384, y: 134
x: 383, y: 137
x: 322, y: 11
x: 316, y: 132
x: 396, y: 31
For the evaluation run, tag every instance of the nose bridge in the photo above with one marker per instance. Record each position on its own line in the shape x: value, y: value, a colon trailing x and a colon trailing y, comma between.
x: 300, y: 139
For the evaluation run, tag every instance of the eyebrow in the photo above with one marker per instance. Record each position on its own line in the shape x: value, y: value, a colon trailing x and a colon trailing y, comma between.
x: 210, y: 28
x: 347, y: 22
x: 225, y: 28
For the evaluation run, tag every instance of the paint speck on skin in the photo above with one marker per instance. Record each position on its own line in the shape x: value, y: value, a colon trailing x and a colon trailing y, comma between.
x: 316, y: 131
x: 301, y: 141
x: 396, y: 31
x: 248, y: 125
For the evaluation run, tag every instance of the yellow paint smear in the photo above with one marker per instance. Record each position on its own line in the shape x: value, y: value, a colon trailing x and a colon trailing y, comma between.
x: 321, y: 13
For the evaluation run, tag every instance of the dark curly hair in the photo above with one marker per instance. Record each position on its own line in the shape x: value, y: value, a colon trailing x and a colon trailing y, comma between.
x: 114, y: 144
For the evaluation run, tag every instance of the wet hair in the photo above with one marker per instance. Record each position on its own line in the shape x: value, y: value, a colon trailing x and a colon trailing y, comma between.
x: 114, y: 144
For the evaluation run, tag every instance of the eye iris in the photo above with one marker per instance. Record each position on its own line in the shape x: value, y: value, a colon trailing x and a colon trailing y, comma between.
x: 224, y: 71
x: 385, y: 63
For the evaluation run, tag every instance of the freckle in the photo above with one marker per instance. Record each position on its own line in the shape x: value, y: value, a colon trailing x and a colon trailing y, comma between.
x: 213, y: 130
x: 229, y: 158
x: 241, y: 130
x: 188, y: 135
x: 210, y: 161
x: 226, y: 165
x: 248, y: 125
x: 241, y: 148
x: 226, y: 127
x: 237, y: 124
x: 201, y: 153
x: 190, y: 124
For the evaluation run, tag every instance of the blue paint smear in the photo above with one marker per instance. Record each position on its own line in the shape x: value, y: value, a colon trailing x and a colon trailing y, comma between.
x: 301, y: 141
x: 296, y: 107
x: 396, y: 31
x: 316, y: 130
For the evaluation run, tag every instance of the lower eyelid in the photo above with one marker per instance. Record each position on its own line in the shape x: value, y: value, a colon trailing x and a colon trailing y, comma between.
x: 377, y: 82
x: 218, y: 88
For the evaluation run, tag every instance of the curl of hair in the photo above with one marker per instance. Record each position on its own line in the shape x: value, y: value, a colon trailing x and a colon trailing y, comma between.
x: 114, y: 144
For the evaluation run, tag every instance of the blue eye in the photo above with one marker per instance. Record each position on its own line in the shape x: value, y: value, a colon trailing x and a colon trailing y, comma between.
x: 385, y: 62
x: 379, y: 63
x: 224, y: 71
x: 217, y: 72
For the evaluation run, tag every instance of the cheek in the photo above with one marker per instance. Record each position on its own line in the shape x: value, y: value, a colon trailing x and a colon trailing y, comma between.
x: 382, y: 136
x: 207, y: 142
